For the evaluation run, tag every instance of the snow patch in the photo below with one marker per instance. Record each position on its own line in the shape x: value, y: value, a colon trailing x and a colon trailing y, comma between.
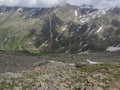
x: 81, y: 43
x: 104, y: 39
x: 85, y: 45
x: 67, y: 52
x: 51, y: 61
x: 71, y: 64
x: 112, y: 48
x: 20, y: 10
x: 86, y: 52
x: 92, y: 15
x: 54, y: 62
x: 91, y: 62
x: 64, y: 29
x: 99, y: 29
x: 76, y: 13
x: 56, y: 40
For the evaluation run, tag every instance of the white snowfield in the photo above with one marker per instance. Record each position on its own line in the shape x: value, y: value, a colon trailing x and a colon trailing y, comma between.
x: 112, y: 48
x: 92, y: 62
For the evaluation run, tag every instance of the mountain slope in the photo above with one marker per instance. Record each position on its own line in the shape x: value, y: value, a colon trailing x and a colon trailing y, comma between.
x: 69, y: 29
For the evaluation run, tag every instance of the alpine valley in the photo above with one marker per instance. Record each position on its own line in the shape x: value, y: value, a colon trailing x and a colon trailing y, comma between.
x: 64, y: 47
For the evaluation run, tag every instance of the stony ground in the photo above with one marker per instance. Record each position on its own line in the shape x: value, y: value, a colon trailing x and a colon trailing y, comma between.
x: 59, y: 72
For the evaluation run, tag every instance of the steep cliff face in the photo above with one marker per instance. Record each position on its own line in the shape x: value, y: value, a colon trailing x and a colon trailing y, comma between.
x: 60, y: 29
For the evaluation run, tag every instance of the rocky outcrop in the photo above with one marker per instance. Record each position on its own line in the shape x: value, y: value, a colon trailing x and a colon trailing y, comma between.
x: 62, y: 76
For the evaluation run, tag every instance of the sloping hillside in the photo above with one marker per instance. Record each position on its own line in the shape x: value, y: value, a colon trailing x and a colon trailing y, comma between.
x: 68, y: 29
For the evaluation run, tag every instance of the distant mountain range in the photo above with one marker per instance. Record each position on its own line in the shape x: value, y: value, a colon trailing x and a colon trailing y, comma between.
x: 67, y: 29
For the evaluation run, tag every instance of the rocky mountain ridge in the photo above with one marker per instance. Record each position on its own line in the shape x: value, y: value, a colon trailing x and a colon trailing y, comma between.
x: 68, y: 29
